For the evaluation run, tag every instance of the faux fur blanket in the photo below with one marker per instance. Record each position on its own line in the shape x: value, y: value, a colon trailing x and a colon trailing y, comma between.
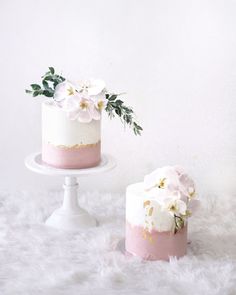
x: 35, y: 259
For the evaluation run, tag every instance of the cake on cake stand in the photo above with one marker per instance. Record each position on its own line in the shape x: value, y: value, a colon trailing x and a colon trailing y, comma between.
x: 70, y: 216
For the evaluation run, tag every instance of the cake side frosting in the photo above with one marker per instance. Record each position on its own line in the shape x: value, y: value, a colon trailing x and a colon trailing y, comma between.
x: 66, y: 143
x: 155, y: 245
x: 58, y: 130
x: 72, y: 158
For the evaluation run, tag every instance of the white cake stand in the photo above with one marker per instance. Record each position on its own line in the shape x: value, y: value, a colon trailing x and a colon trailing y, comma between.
x: 70, y: 216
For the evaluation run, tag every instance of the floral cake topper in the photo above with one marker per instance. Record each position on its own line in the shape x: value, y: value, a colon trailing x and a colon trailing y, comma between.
x: 84, y: 100
x: 170, y: 190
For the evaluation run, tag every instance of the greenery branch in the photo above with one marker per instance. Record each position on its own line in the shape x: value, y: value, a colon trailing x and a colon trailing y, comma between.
x: 116, y: 107
x: 49, y: 82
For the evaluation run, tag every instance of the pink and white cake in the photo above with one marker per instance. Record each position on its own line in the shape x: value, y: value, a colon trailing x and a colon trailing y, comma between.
x: 157, y: 210
x: 69, y: 143
x: 71, y: 119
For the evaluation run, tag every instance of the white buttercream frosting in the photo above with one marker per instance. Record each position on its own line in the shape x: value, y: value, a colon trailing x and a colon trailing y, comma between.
x: 58, y: 129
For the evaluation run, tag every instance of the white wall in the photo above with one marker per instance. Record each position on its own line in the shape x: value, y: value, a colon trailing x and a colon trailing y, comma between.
x: 175, y: 59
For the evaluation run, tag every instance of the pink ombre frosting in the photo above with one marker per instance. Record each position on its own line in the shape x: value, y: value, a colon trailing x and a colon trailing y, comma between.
x: 155, y: 245
x: 76, y: 158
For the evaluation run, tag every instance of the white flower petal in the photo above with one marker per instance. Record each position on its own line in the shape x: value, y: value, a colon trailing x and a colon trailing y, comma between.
x: 180, y: 170
x: 186, y: 181
x: 91, y: 87
x: 193, y: 205
x: 73, y: 115
x: 181, y: 206
x: 159, y: 219
x: 96, y: 114
x: 99, y: 101
x: 174, y: 206
x: 162, y: 178
x: 188, y: 185
x: 84, y: 116
x: 64, y: 90
x: 70, y: 104
x: 59, y: 93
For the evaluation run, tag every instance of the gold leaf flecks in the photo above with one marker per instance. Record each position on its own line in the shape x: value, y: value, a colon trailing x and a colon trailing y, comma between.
x: 76, y: 146
x: 144, y: 235
x: 150, y: 239
x: 146, y: 203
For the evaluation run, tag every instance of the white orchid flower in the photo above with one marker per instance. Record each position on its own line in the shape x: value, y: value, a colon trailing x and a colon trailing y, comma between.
x: 100, y: 101
x: 64, y: 90
x: 165, y: 178
x: 156, y: 218
x: 174, y: 206
x: 85, y: 110
x: 91, y: 87
x: 173, y: 190
x: 188, y: 186
x: 81, y: 109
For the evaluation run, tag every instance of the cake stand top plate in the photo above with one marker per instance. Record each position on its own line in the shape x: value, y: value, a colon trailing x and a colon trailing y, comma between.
x: 34, y: 163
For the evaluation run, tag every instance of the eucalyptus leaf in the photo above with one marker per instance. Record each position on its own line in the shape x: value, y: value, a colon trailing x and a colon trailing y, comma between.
x: 112, y: 97
x: 35, y: 86
x: 119, y: 102
x: 35, y: 93
x: 52, y: 71
x: 48, y: 93
x: 45, y: 84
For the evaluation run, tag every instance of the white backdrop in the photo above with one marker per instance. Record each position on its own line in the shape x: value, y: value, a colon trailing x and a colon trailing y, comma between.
x: 175, y: 59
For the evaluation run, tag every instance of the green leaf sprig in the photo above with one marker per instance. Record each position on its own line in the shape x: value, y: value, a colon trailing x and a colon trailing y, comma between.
x: 49, y: 82
x: 117, y: 107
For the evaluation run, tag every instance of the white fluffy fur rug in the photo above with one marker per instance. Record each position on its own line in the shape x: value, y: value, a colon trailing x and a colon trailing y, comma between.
x: 35, y: 259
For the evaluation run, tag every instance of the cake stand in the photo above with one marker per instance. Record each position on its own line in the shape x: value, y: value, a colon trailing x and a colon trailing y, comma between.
x: 70, y: 216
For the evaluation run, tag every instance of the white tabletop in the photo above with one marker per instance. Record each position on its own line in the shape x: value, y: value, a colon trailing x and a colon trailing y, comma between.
x: 34, y: 163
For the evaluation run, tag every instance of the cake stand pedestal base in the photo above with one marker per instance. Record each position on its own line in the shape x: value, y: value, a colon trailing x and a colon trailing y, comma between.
x: 70, y: 216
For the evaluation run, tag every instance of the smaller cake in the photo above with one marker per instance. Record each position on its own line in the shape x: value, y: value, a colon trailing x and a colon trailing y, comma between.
x: 157, y: 210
